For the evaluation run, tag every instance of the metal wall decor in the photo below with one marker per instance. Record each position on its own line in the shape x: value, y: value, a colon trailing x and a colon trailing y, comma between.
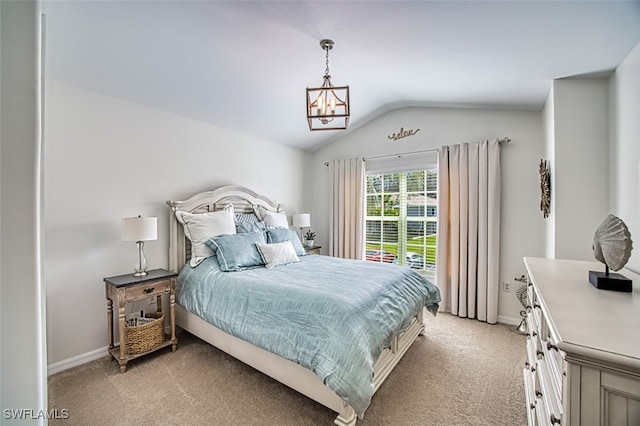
x: 328, y: 105
x: 545, y: 188
x: 402, y: 133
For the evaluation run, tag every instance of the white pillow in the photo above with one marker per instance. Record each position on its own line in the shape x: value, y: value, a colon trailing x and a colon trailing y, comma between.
x: 276, y: 220
x: 272, y: 219
x: 277, y: 254
x: 200, y: 227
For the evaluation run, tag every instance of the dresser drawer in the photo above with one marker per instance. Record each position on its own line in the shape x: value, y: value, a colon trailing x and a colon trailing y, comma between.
x: 142, y: 291
x: 529, y: 395
x: 532, y: 357
x: 553, y: 360
x: 541, y: 415
x: 548, y: 393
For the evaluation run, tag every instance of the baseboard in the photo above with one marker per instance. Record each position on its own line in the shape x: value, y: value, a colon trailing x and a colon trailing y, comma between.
x: 77, y: 360
x: 509, y: 320
x: 501, y: 318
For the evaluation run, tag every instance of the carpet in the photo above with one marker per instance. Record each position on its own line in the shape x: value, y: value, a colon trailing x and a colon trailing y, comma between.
x: 462, y: 372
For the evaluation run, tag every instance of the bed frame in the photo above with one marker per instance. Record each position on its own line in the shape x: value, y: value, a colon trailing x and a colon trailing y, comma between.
x: 283, y: 370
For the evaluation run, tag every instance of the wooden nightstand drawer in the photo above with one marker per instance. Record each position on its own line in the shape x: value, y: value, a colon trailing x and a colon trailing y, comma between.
x: 152, y: 289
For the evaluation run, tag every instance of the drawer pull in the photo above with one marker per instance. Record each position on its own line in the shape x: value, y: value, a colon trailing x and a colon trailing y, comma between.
x: 551, y: 346
x: 555, y: 420
x: 148, y: 290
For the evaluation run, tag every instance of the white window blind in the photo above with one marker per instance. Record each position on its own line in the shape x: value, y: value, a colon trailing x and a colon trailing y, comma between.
x: 401, y: 217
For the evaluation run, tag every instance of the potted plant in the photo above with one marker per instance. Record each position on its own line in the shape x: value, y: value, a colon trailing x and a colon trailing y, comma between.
x: 309, y: 237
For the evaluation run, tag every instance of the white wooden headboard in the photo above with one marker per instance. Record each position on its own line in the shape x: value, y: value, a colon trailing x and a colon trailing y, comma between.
x: 243, y: 199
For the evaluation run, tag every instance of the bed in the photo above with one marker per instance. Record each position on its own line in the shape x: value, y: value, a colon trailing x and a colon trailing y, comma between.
x: 339, y: 363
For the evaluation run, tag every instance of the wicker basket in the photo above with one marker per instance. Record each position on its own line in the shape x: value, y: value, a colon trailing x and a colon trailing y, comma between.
x: 143, y: 338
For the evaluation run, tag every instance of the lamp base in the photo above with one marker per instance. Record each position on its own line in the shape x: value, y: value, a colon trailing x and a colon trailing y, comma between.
x: 611, y: 281
x: 141, y: 267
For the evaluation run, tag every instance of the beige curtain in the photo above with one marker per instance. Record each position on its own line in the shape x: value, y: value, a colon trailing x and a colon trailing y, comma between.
x: 468, y: 245
x: 346, y: 218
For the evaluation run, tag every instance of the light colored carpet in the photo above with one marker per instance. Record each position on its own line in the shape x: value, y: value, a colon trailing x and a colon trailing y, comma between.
x: 463, y: 372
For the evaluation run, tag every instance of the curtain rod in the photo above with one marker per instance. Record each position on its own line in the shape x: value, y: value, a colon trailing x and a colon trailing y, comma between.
x: 503, y: 141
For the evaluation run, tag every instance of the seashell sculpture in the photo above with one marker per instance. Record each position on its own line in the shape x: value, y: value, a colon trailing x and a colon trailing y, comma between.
x: 612, y: 243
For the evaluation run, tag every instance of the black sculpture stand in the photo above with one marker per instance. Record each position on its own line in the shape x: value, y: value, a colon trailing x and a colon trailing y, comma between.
x: 610, y: 281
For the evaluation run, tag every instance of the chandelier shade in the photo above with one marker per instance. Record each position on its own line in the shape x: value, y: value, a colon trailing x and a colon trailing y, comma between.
x: 328, y: 105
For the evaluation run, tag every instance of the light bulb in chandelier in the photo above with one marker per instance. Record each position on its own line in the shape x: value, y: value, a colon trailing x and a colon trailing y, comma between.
x: 325, y: 105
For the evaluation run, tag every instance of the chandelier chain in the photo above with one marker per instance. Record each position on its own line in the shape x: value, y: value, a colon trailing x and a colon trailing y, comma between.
x: 326, y: 70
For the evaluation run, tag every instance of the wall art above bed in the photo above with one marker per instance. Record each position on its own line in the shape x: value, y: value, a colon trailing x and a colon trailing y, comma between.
x: 402, y: 133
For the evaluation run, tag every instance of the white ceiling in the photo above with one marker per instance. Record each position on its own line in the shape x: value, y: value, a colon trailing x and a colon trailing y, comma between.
x: 244, y: 65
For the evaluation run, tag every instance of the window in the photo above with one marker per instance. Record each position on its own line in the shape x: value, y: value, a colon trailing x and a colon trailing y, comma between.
x: 401, y: 218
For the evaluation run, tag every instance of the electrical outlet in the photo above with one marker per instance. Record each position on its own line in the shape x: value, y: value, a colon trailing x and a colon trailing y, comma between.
x: 506, y: 286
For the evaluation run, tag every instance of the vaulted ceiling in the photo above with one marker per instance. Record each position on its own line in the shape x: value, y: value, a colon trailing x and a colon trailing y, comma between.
x: 244, y: 65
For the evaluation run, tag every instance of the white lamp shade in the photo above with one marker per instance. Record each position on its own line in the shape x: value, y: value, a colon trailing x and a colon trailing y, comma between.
x: 301, y: 220
x: 139, y: 228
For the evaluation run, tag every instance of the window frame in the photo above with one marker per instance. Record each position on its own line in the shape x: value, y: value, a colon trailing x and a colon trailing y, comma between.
x: 379, y: 250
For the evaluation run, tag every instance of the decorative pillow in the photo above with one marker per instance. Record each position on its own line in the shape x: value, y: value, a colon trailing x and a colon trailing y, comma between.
x: 200, y: 227
x: 277, y: 254
x: 242, y: 227
x: 280, y: 235
x: 237, y: 251
x: 272, y: 219
x: 247, y: 217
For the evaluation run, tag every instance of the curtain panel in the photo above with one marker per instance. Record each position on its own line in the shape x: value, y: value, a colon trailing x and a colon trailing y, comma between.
x: 468, y: 243
x: 346, y: 216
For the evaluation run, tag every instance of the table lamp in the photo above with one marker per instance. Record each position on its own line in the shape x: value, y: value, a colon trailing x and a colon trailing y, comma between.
x: 140, y: 229
x: 302, y: 220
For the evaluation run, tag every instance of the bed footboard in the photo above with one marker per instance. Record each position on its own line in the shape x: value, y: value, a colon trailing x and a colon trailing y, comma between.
x: 292, y: 374
x: 286, y: 372
x: 400, y: 344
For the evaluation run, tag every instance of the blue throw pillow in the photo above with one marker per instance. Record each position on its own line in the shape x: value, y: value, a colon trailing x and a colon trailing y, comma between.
x: 242, y: 227
x: 237, y: 251
x: 279, y: 235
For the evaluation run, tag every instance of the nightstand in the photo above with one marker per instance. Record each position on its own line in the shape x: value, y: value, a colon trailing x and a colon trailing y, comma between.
x: 312, y: 249
x: 123, y: 289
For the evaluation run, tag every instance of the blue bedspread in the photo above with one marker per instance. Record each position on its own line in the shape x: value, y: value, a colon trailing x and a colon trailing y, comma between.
x: 332, y: 316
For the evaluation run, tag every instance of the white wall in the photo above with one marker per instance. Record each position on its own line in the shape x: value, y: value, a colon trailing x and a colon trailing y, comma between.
x: 106, y: 159
x: 521, y: 220
x: 549, y: 136
x: 580, y: 164
x: 625, y: 148
x: 22, y: 345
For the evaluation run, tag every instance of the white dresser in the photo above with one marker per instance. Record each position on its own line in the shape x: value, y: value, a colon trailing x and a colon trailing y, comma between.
x: 583, y: 347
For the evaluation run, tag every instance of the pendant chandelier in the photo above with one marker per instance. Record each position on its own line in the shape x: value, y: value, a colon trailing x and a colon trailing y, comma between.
x: 327, y: 106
